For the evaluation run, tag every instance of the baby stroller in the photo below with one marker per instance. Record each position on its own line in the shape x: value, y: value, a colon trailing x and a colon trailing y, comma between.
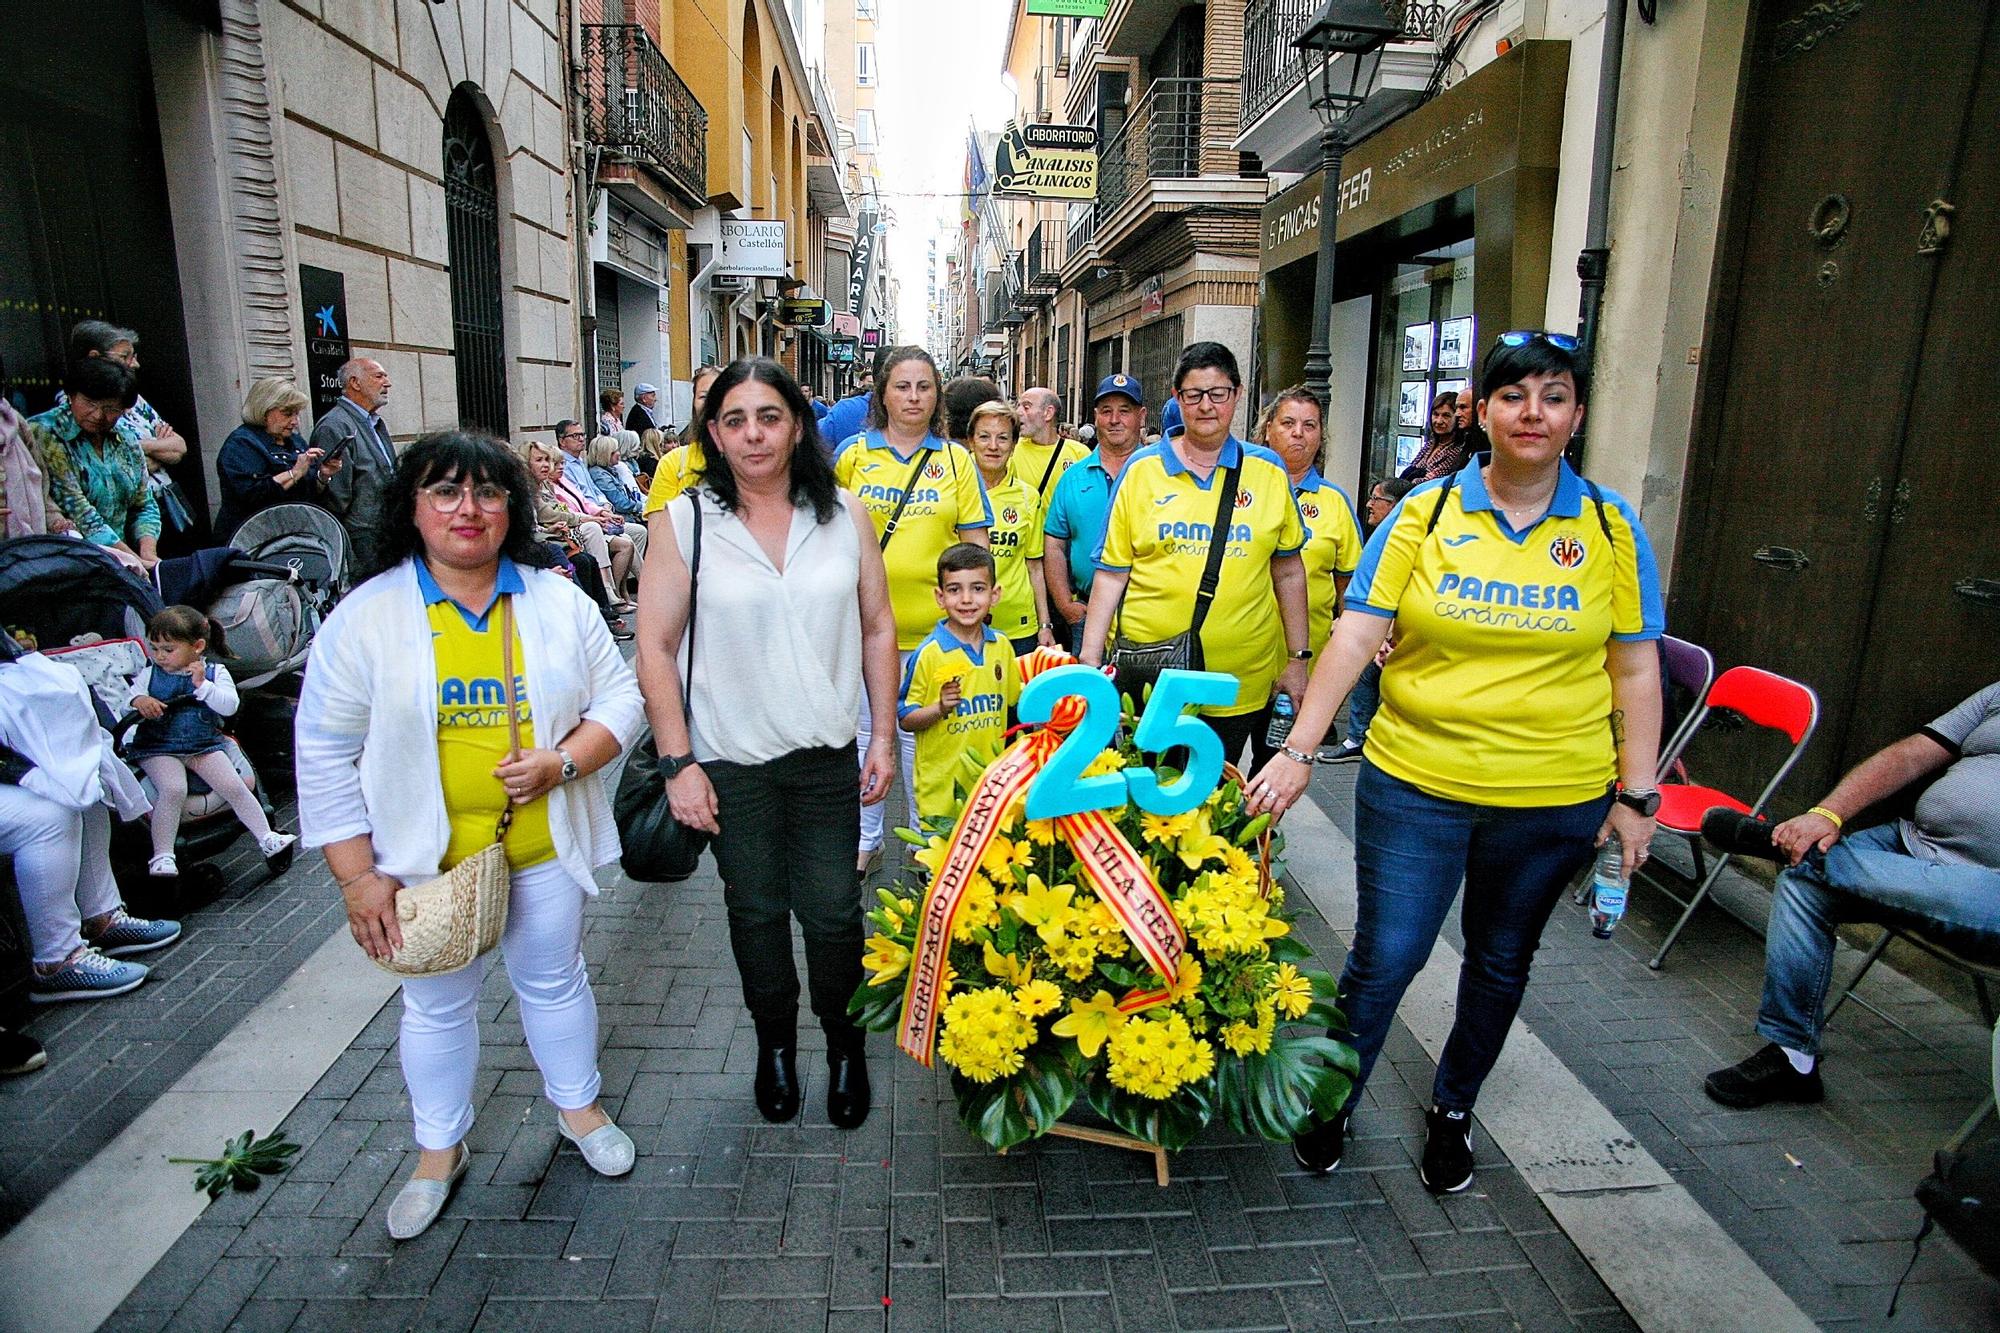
x: 55, y: 591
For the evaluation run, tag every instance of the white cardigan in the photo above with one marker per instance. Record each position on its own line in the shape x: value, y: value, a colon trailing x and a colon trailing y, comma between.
x: 367, y: 722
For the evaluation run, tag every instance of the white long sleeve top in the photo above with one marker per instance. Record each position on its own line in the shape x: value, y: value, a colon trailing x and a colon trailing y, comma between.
x: 216, y: 690
x: 367, y: 722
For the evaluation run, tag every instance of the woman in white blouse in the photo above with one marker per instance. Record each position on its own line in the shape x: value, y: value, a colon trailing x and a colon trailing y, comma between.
x: 793, y: 615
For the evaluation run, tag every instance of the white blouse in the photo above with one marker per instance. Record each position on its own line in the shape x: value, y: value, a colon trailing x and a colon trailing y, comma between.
x: 777, y: 666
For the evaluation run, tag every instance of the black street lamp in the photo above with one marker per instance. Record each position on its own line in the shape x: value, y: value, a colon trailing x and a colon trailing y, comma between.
x: 1356, y: 29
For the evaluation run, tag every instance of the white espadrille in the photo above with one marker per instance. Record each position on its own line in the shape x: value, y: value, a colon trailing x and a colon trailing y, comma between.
x: 419, y: 1202
x: 607, y: 1148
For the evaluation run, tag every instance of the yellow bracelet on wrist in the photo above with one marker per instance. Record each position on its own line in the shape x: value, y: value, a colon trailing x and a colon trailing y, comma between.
x: 1830, y: 817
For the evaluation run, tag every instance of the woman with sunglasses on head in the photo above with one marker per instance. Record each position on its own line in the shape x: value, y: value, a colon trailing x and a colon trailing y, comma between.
x: 407, y: 761
x: 1519, y: 726
x: 1158, y: 541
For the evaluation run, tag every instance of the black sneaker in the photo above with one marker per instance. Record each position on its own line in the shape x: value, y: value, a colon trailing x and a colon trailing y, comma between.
x: 1447, y: 1164
x: 20, y: 1054
x: 1320, y: 1148
x: 1347, y: 752
x: 1767, y: 1076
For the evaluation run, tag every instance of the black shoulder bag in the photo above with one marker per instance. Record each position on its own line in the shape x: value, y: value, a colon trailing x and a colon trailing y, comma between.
x: 1139, y: 665
x: 656, y: 847
x: 896, y: 514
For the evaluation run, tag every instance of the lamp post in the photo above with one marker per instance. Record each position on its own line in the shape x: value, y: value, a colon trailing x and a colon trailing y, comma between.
x: 1357, y: 29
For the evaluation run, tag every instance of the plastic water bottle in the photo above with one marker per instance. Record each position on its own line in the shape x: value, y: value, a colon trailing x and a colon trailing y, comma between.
x: 1283, y: 714
x: 1608, y: 886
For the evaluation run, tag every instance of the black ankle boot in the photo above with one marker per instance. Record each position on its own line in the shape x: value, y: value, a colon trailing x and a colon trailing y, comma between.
x: 777, y: 1083
x: 847, y: 1098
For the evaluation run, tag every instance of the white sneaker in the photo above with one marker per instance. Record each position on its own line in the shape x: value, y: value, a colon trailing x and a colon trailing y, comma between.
x: 274, y: 843
x: 163, y: 866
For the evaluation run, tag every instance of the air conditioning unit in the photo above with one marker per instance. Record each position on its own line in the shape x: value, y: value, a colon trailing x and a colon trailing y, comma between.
x: 729, y: 284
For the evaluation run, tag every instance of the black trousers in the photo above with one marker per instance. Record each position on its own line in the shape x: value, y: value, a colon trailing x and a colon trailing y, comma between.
x: 1240, y: 730
x: 787, y: 849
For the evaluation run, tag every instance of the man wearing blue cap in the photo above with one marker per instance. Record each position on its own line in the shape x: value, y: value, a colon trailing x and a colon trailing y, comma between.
x: 643, y: 417
x: 1082, y: 499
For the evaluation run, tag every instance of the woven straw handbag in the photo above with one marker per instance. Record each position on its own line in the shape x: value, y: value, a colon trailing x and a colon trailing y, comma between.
x: 449, y: 921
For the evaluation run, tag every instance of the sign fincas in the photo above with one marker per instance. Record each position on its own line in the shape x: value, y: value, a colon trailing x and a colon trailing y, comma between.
x: 1046, y: 162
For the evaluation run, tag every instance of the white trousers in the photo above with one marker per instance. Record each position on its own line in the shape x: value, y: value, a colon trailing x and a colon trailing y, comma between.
x: 62, y: 866
x: 875, y: 818
x: 543, y: 948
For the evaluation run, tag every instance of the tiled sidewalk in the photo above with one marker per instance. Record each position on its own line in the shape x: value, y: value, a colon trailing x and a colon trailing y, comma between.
x: 907, y: 1223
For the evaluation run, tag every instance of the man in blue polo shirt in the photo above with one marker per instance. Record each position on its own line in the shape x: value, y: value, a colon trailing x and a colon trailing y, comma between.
x: 1081, y: 501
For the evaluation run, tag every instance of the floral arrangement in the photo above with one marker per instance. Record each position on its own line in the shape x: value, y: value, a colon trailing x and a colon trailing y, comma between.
x: 1046, y: 997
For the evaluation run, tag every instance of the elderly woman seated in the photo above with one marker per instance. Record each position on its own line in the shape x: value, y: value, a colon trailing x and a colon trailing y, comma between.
x: 265, y: 460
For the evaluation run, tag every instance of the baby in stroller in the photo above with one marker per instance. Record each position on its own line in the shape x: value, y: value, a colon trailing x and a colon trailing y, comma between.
x: 181, y: 700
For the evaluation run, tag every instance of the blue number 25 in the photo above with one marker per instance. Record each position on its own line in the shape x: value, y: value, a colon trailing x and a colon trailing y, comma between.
x: 1061, y: 789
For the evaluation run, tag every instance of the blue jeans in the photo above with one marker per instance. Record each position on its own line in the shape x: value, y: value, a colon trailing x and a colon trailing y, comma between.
x: 1866, y: 876
x: 1362, y: 702
x: 1411, y: 851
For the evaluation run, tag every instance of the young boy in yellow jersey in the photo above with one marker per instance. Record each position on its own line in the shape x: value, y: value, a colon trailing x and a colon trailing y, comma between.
x: 960, y: 682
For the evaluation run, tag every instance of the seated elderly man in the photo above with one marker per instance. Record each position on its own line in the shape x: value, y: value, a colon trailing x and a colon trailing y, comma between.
x: 1938, y: 871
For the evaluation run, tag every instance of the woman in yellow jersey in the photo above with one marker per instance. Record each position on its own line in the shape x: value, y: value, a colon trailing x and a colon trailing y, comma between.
x: 405, y: 766
x: 1156, y: 546
x: 681, y: 466
x: 1022, y: 614
x: 923, y: 493
x: 1523, y: 693
x: 1333, y: 537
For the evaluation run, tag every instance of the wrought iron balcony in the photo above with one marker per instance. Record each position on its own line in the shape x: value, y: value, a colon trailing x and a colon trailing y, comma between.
x: 1082, y: 231
x: 636, y: 105
x: 1048, y: 246
x: 1271, y: 66
x: 1180, y: 129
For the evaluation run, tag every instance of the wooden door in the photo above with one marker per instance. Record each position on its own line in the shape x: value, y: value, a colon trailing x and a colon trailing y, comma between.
x: 1934, y: 636
x: 1852, y: 121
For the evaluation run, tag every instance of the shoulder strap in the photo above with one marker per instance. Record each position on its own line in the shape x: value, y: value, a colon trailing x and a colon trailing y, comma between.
x: 1218, y: 541
x: 1603, y: 520
x: 694, y: 603
x: 896, y: 515
x: 1055, y: 456
x: 513, y: 706
x: 1444, y: 494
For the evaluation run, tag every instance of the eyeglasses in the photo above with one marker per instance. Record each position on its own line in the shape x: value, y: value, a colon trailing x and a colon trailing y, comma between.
x: 448, y: 496
x: 1522, y: 337
x: 1218, y: 396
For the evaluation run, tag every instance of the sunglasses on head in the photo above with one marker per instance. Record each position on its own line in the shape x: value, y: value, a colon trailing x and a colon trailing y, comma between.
x: 1522, y: 337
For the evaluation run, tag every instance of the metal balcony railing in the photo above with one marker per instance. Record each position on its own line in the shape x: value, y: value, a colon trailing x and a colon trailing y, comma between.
x: 1271, y: 66
x: 1048, y: 247
x: 1181, y: 128
x: 635, y: 104
x: 1082, y: 231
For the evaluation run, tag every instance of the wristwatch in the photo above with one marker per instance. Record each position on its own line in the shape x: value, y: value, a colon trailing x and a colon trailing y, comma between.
x: 672, y: 764
x: 570, y: 772
x: 1646, y: 803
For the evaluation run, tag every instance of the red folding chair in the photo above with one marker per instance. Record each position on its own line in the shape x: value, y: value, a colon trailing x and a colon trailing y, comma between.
x: 1764, y: 699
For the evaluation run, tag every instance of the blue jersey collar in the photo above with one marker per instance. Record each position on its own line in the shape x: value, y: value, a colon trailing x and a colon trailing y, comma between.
x: 1473, y: 495
x: 875, y: 439
x: 1231, y: 456
x: 507, y: 581
x: 1312, y: 481
x: 947, y: 641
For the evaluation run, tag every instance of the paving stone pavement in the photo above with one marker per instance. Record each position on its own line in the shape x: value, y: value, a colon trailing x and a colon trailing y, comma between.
x: 906, y: 1223
x: 109, y: 1060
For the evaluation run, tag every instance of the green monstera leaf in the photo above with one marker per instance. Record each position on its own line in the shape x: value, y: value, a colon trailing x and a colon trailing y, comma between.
x: 1278, y: 1095
x: 1023, y: 1106
x: 1172, y: 1123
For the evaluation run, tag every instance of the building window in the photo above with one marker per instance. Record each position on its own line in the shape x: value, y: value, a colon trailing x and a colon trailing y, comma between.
x: 864, y: 9
x: 472, y: 236
x: 864, y: 130
x: 864, y: 64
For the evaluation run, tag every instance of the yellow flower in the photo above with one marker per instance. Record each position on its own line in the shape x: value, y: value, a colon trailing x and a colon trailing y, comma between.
x: 1199, y: 843
x: 1037, y: 998
x: 1042, y: 832
x: 998, y: 858
x: 1291, y: 993
x: 1007, y: 967
x: 1091, y: 1022
x: 885, y: 959
x: 896, y: 912
x: 984, y: 1034
x: 1110, y: 761
x: 978, y: 909
x: 1165, y: 830
x: 1188, y: 981
x: 1024, y: 853
x: 932, y: 856
x: 1046, y: 908
x: 1157, y: 1054
x: 1245, y: 1038
x: 1237, y: 864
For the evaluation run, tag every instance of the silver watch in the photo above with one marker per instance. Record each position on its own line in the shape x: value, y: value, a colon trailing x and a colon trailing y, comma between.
x: 570, y: 772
